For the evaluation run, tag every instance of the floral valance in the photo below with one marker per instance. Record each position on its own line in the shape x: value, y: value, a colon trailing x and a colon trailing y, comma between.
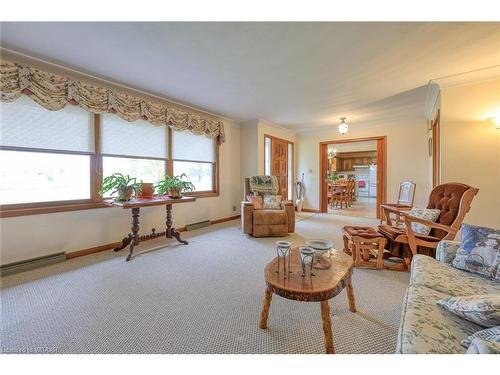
x: 54, y: 92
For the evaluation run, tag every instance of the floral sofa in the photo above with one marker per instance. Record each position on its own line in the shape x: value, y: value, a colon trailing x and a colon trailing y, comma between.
x: 426, y: 327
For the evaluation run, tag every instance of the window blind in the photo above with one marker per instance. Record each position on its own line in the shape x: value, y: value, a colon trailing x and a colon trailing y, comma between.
x: 188, y: 146
x: 139, y: 138
x: 24, y: 123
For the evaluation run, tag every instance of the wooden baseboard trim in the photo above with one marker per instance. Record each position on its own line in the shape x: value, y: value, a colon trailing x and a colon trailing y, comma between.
x: 92, y: 250
x: 110, y: 246
x: 311, y: 210
x: 223, y: 220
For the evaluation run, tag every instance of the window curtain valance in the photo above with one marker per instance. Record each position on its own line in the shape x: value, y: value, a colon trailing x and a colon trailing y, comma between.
x: 54, y: 92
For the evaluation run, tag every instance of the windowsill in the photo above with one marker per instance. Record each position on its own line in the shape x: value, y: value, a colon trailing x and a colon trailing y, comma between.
x: 53, y: 208
x: 202, y: 194
x: 25, y: 211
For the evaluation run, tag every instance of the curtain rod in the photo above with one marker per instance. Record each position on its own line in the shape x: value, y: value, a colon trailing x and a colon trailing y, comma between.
x: 109, y: 82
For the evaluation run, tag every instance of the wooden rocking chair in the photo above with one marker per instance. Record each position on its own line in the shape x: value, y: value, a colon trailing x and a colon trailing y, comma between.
x: 454, y: 201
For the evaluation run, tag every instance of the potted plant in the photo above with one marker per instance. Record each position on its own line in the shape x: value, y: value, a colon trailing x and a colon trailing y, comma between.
x: 174, y: 186
x: 333, y: 178
x: 124, y: 185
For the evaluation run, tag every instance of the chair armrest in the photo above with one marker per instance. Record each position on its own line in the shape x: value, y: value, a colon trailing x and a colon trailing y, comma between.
x: 387, y: 210
x: 446, y: 250
x: 286, y: 203
x: 246, y: 203
x: 412, y: 219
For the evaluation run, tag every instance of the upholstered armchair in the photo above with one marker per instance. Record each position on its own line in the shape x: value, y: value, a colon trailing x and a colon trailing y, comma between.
x: 452, y: 199
x: 265, y: 222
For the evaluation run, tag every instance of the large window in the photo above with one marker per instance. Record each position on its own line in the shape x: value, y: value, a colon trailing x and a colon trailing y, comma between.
x: 45, y: 155
x: 195, y: 156
x: 138, y: 148
x: 55, y: 160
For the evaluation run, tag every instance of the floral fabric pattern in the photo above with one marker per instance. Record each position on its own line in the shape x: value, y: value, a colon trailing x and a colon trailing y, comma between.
x: 426, y: 328
x: 430, y: 214
x: 480, y: 309
x: 446, y: 251
x: 263, y: 185
x: 480, y: 346
x: 480, y: 251
x: 443, y: 278
x: 272, y: 202
x: 54, y: 92
x: 489, y: 334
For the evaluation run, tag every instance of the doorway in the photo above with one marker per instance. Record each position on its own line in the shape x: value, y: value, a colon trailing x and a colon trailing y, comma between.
x: 278, y: 161
x: 362, y: 160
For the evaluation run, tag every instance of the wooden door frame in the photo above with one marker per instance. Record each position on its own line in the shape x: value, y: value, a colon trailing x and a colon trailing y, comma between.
x: 381, y: 169
x: 436, y: 154
x: 293, y: 155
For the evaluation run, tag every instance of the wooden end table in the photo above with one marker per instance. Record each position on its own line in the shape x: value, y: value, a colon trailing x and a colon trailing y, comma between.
x: 324, y: 285
x: 132, y: 239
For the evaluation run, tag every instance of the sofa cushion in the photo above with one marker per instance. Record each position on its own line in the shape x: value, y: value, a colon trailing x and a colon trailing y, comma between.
x: 481, y: 309
x: 272, y: 202
x: 427, y: 328
x: 487, y: 334
x: 269, y: 217
x: 446, y: 279
x: 429, y: 214
x: 480, y: 346
x: 479, y: 251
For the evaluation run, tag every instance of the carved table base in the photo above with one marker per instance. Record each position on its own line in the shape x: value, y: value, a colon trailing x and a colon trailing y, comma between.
x: 133, y: 238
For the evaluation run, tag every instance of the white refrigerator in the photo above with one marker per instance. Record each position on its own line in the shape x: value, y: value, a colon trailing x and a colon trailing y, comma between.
x: 372, y: 192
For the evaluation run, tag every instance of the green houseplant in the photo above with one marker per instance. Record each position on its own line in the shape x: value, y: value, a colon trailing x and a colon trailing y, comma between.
x: 124, y: 185
x: 174, y: 186
x: 333, y: 178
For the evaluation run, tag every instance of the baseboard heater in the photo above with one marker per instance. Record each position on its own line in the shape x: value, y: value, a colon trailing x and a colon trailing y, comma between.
x: 201, y: 224
x: 25, y: 265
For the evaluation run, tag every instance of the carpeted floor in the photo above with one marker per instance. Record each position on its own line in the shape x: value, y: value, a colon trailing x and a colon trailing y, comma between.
x: 201, y: 298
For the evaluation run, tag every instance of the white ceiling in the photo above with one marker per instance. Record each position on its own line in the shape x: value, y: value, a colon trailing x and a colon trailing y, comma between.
x: 298, y: 75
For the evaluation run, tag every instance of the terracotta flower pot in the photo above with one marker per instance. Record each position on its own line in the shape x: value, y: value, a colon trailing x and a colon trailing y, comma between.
x: 146, y: 190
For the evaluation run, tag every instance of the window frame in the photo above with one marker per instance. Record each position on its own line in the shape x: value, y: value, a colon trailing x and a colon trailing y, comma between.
x: 96, y: 177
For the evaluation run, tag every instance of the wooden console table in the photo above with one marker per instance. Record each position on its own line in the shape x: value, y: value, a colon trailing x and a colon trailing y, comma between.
x: 132, y: 239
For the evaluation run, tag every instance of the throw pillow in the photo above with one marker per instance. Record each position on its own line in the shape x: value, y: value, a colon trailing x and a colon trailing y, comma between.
x: 489, y: 334
x: 480, y: 309
x: 256, y: 201
x: 430, y: 214
x: 479, y: 251
x: 480, y: 346
x: 272, y: 202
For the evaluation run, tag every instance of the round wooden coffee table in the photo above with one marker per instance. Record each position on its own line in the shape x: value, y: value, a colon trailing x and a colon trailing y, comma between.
x: 325, y: 284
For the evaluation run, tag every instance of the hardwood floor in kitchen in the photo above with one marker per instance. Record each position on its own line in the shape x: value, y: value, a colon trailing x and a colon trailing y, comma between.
x: 363, y: 207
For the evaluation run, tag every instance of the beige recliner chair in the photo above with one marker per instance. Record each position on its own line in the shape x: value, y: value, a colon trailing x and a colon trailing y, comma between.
x: 267, y: 223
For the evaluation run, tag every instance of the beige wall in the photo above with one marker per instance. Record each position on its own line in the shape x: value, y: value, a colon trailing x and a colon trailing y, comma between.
x: 406, y: 156
x: 470, y: 145
x: 32, y: 236
x: 252, y: 145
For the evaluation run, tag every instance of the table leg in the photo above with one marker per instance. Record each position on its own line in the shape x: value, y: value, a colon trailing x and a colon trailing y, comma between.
x: 125, y: 242
x: 135, y: 230
x: 350, y: 297
x: 171, y: 232
x: 327, y: 327
x: 265, y: 309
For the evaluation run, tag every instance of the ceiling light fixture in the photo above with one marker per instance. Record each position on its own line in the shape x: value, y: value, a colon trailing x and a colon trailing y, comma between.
x: 343, y: 127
